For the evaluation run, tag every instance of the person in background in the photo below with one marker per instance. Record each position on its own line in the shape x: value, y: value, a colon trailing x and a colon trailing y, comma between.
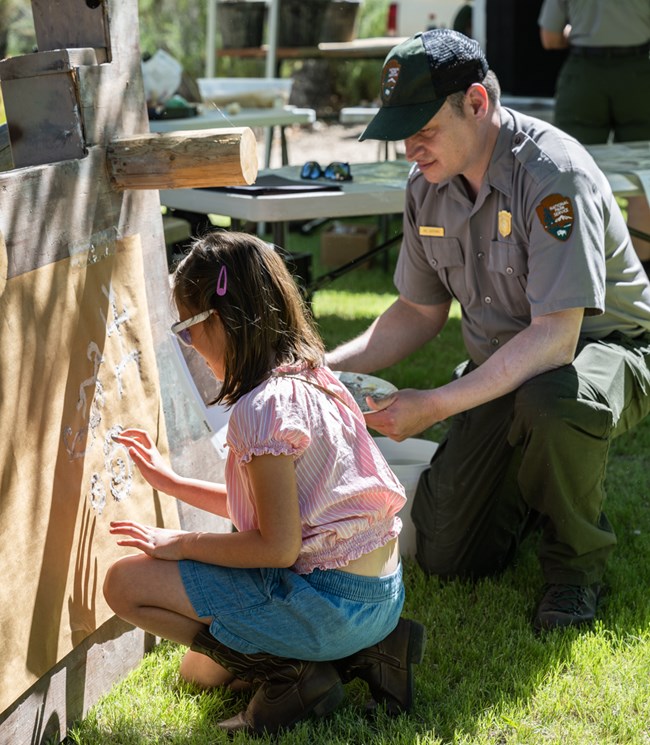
x: 463, y: 19
x: 602, y: 89
x: 307, y: 593
x: 510, y: 217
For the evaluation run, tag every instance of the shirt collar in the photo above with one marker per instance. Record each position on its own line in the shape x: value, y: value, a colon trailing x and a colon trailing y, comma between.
x: 499, y: 173
x: 500, y: 168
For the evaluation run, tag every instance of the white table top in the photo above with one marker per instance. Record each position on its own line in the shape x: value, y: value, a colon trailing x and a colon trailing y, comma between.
x: 379, y: 189
x: 626, y: 165
x: 376, y: 189
x: 209, y: 118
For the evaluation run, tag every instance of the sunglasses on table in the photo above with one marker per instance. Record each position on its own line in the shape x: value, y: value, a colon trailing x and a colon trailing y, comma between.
x: 335, y: 171
x: 182, y: 328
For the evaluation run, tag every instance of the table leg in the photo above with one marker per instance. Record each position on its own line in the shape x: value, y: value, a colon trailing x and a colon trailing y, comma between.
x: 283, y: 144
x: 639, y: 234
x: 268, y: 142
x: 345, y: 268
x: 279, y: 233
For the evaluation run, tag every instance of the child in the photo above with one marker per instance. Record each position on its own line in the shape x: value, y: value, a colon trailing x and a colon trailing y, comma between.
x: 312, y: 574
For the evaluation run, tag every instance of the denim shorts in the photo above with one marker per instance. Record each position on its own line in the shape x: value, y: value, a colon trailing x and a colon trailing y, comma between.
x: 324, y: 615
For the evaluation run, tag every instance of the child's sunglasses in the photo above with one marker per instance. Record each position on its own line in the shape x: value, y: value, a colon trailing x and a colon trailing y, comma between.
x: 182, y: 328
x: 335, y: 171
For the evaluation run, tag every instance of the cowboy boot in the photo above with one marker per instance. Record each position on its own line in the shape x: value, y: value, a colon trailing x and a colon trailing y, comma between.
x: 290, y: 690
x: 387, y: 667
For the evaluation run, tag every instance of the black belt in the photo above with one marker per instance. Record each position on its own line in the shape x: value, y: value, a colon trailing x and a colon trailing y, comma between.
x: 611, y: 51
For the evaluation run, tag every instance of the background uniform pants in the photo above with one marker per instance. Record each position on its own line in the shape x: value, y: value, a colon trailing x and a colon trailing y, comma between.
x: 596, y: 95
x: 537, y: 455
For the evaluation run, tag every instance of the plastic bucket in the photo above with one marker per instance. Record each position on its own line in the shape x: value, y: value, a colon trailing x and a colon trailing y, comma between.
x: 241, y: 23
x: 301, y: 22
x: 340, y: 22
x: 407, y: 460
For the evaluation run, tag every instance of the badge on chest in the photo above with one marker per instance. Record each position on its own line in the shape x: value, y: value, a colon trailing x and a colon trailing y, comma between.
x: 505, y: 223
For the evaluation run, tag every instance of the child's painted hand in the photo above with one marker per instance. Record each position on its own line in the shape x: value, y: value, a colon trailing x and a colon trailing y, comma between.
x: 159, y: 543
x: 147, y: 458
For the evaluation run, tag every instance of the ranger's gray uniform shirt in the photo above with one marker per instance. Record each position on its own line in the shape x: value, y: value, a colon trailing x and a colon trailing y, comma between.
x: 599, y: 23
x: 544, y: 235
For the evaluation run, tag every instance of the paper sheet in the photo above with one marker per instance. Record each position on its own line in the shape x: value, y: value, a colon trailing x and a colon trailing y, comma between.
x: 78, y: 364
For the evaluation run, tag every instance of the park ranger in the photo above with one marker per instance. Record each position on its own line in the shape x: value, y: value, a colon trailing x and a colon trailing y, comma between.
x: 512, y: 218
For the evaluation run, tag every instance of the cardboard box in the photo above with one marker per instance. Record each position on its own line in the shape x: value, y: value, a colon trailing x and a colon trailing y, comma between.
x: 343, y: 242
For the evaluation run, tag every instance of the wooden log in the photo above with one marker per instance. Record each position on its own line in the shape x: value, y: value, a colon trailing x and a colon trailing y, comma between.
x: 183, y: 160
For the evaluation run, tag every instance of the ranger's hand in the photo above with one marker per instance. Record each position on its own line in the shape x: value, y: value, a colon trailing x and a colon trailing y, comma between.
x: 403, y: 414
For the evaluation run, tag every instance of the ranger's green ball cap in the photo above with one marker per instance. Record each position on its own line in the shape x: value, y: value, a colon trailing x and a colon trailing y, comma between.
x: 417, y: 77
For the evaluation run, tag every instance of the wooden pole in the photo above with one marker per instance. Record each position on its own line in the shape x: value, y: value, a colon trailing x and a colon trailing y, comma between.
x: 183, y: 160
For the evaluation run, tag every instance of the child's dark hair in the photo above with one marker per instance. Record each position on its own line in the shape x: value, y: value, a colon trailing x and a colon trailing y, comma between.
x: 263, y: 313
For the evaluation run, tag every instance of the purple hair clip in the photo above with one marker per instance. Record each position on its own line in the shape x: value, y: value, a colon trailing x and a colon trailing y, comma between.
x: 222, y: 281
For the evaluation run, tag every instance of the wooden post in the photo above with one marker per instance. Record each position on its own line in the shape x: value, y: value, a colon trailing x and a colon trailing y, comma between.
x: 182, y: 160
x: 65, y: 229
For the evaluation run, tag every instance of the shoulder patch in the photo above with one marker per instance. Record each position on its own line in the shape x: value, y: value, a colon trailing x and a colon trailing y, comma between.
x: 556, y: 214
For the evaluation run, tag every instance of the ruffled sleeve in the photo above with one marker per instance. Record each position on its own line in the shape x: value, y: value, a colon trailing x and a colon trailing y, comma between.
x: 268, y: 420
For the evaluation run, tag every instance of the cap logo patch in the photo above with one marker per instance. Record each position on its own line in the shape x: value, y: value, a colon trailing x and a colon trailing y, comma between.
x: 555, y: 212
x: 389, y: 77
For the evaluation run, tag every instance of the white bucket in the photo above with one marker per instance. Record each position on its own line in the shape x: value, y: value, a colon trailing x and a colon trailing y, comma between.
x: 407, y: 460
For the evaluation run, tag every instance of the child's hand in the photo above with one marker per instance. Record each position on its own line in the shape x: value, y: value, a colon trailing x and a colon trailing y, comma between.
x: 160, y: 543
x: 147, y: 458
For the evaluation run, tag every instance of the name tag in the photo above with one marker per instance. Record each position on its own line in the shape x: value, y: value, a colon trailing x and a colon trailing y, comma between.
x: 431, y: 230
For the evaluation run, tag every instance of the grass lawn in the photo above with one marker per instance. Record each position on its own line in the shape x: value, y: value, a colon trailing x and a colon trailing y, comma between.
x: 486, y: 678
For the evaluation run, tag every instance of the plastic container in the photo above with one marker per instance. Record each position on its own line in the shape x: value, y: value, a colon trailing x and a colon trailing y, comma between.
x: 249, y: 93
x: 407, y: 459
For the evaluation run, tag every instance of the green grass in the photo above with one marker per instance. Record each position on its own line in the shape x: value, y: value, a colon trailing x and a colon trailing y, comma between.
x: 487, y: 679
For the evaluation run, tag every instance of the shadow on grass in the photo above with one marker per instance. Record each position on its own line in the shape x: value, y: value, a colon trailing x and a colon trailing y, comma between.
x: 482, y: 653
x: 482, y: 656
x: 481, y: 644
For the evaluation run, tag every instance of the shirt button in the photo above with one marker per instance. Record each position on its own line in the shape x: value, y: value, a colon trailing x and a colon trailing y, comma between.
x: 518, y: 140
x: 494, y: 341
x: 480, y: 255
x: 434, y: 262
x: 488, y: 299
x: 509, y: 270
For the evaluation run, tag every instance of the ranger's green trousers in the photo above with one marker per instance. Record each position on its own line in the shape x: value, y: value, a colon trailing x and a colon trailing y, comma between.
x: 598, y: 95
x: 536, y: 457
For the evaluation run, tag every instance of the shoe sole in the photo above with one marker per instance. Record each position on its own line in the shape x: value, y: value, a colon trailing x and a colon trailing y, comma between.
x: 329, y: 702
x: 414, y: 656
x: 417, y: 643
x: 324, y: 706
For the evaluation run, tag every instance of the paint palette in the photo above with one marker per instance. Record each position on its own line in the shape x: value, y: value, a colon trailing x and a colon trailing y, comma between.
x: 361, y: 385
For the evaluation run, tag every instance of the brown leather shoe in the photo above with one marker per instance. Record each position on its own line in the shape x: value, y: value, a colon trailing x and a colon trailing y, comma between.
x: 293, y: 693
x: 387, y: 667
x: 290, y: 690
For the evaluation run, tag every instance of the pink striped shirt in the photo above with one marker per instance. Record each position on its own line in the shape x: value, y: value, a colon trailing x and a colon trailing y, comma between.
x: 348, y: 495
